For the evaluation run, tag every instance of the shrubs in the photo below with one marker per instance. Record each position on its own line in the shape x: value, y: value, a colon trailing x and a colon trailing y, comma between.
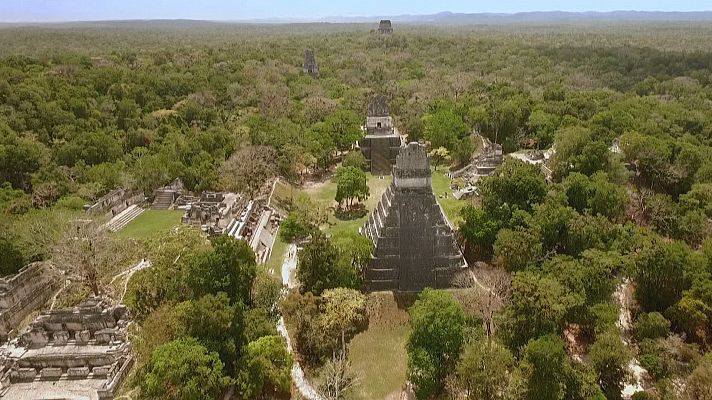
x: 651, y: 326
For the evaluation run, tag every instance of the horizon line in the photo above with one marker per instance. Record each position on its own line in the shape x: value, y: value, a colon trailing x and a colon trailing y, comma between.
x: 345, y: 18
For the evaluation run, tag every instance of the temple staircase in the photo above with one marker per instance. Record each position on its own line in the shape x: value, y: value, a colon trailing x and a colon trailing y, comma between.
x: 163, y: 200
x: 122, y: 219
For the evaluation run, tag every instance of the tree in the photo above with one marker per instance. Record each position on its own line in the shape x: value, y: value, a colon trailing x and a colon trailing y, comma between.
x: 435, y: 341
x: 355, y: 159
x: 483, y: 372
x: 351, y: 183
x: 515, y: 185
x: 339, y: 379
x: 182, y: 369
x: 544, y: 367
x: 539, y: 305
x: 609, y: 357
x: 651, y: 326
x: 19, y: 157
x: 439, y: 156
x: 294, y: 228
x: 345, y: 126
x: 320, y: 267
x: 88, y: 251
x: 443, y: 128
x: 517, y: 249
x: 267, y: 369
x: 486, y: 292
x: 343, y: 314
x: 12, y: 259
x: 215, y: 323
x: 249, y: 169
x: 479, y: 228
x: 661, y: 275
x: 228, y: 267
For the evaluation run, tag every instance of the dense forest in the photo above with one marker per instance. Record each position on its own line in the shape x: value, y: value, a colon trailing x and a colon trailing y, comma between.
x: 625, y: 211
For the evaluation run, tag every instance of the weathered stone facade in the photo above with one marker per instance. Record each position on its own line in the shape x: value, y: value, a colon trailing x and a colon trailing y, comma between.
x: 310, y: 65
x: 115, y: 202
x: 381, y: 144
x: 24, y: 292
x: 78, y: 353
x: 414, y: 247
x: 385, y: 27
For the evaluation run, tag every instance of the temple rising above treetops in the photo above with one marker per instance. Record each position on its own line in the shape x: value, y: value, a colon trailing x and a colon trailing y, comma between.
x: 414, y: 247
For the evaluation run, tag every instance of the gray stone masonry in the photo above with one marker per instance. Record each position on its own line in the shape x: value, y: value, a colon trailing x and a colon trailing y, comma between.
x: 414, y: 247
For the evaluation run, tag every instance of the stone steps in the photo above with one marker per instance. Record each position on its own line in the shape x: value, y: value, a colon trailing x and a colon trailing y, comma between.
x: 124, y: 218
x: 163, y: 201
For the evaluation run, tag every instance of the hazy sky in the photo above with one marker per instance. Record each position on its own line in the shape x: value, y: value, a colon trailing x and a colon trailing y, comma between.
x: 82, y: 10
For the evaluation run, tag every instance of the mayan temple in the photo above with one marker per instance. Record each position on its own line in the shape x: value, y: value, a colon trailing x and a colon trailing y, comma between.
x: 385, y: 27
x: 381, y: 144
x: 310, y: 66
x: 414, y: 247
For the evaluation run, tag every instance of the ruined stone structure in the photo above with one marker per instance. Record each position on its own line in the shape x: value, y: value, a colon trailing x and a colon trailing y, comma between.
x: 234, y: 215
x: 115, y: 202
x: 385, y: 27
x: 310, y: 66
x: 24, y: 292
x: 490, y: 158
x: 211, y: 211
x: 164, y: 197
x: 78, y: 353
x: 381, y: 144
x: 413, y: 242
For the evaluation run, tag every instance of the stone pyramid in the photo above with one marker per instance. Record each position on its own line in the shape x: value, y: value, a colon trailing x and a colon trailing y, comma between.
x: 414, y: 247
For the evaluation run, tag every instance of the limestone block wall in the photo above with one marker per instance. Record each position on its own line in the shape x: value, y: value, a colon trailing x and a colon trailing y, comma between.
x: 24, y: 292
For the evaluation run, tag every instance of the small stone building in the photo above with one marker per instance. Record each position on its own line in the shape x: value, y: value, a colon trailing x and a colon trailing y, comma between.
x: 381, y: 144
x: 414, y: 247
x: 385, y: 27
x: 310, y: 65
x: 76, y: 353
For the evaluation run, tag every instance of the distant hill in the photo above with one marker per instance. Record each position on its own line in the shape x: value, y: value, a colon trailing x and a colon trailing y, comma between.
x: 538, y: 17
x: 443, y: 18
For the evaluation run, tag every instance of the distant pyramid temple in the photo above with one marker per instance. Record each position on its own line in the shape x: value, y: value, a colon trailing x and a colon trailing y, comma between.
x: 381, y: 144
x: 310, y: 66
x: 385, y: 27
x: 414, y: 247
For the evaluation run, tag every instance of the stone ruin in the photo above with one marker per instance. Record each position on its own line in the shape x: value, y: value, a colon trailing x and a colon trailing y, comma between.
x: 234, y: 215
x: 163, y: 198
x: 212, y: 211
x: 490, y: 158
x: 385, y: 27
x: 24, y: 292
x: 76, y: 353
x: 414, y: 247
x: 310, y: 66
x: 115, y: 202
x: 381, y: 144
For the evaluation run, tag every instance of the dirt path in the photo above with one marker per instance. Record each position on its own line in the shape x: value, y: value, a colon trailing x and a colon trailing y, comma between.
x: 300, y: 381
x: 624, y: 297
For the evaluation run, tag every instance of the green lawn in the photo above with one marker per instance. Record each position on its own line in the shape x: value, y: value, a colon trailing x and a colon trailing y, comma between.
x: 150, y: 223
x: 325, y: 195
x: 279, y: 249
x: 378, y: 355
x: 451, y: 205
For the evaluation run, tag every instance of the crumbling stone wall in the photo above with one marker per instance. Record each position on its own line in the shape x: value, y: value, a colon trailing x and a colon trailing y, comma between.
x: 24, y: 292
